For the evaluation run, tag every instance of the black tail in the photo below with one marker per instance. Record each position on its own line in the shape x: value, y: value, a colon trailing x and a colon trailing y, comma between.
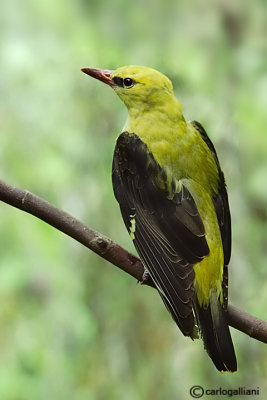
x: 215, y: 333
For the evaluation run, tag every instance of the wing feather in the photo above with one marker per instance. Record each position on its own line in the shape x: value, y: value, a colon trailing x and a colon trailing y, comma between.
x: 169, y: 234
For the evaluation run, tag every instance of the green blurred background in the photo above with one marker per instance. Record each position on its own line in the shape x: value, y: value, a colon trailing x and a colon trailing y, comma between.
x: 71, y: 325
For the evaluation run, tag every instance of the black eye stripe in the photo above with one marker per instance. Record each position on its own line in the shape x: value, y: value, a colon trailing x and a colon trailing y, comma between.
x: 126, y: 82
x: 118, y: 81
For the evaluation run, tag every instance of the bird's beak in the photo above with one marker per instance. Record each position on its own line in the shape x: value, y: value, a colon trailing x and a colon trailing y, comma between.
x: 100, y: 74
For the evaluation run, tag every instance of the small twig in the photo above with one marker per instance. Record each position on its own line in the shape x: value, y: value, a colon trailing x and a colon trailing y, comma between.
x: 107, y: 249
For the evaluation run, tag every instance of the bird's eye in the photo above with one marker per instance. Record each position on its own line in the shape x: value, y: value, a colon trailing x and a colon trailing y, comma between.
x: 128, y: 82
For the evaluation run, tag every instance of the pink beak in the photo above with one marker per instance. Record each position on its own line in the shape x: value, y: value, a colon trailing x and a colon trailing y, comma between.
x: 100, y: 74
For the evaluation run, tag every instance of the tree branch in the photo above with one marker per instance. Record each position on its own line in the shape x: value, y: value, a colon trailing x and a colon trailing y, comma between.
x: 107, y: 249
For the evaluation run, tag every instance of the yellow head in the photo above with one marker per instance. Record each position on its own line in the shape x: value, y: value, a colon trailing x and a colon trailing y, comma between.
x: 137, y: 86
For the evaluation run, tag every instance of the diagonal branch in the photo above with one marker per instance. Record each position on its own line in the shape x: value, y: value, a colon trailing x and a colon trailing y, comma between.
x: 107, y: 249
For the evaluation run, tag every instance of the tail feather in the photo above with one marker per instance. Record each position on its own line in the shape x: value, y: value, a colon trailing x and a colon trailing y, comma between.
x: 215, y: 333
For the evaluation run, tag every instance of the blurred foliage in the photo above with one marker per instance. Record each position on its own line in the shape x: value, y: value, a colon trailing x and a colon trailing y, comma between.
x: 72, y: 326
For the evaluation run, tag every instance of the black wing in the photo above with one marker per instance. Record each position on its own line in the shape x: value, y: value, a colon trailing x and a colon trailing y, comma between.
x: 166, y: 228
x: 221, y: 205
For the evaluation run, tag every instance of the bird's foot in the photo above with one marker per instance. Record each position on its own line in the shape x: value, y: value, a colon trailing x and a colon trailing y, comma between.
x: 146, y: 278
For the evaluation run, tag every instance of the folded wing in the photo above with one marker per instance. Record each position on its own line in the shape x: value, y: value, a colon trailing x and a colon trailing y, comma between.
x: 163, y: 221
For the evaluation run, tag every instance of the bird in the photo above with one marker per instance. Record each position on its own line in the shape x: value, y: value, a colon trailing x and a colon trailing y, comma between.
x: 173, y: 199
